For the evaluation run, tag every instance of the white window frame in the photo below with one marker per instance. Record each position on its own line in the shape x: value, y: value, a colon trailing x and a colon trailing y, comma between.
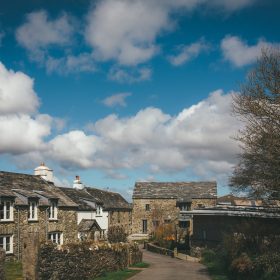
x: 98, y: 210
x: 56, y: 237
x: 7, y: 212
x: 4, y: 243
x: 32, y: 210
x: 53, y: 210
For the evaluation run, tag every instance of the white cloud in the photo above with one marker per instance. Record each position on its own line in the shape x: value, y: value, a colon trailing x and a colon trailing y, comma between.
x: 188, y: 52
x: 116, y: 100
x: 126, y: 31
x: 22, y: 134
x: 239, y: 53
x: 16, y: 92
x: 73, y: 149
x: 198, y: 139
x: 83, y: 62
x: 40, y: 32
x: 22, y: 129
x: 129, y: 75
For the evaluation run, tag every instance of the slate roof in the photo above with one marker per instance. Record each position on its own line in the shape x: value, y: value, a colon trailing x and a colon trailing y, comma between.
x: 87, y: 197
x: 175, y: 190
x: 87, y: 224
x: 23, y: 187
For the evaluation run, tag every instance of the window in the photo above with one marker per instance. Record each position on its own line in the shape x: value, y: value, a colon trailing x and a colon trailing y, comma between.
x: 6, y: 242
x: 6, y: 210
x: 147, y: 206
x: 53, y: 210
x: 144, y: 226
x: 32, y: 211
x: 185, y: 207
x: 184, y: 224
x: 99, y: 210
x: 56, y: 237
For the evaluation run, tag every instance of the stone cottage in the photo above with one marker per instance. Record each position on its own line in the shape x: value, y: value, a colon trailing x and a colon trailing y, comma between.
x: 31, y: 203
x: 98, y: 209
x: 155, y: 203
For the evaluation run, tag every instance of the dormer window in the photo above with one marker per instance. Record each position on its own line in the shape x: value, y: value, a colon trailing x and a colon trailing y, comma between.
x: 98, y: 210
x: 6, y: 210
x: 32, y: 210
x: 53, y: 210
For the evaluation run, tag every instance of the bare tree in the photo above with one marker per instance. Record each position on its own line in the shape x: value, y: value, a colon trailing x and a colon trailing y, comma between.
x: 258, y: 106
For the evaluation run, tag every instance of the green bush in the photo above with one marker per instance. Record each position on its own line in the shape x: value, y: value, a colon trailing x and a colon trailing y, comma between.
x: 116, y: 234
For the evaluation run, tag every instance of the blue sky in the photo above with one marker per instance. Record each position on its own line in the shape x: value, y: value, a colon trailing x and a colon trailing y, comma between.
x: 121, y: 91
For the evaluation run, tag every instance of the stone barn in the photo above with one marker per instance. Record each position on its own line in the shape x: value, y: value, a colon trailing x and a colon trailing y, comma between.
x: 157, y: 203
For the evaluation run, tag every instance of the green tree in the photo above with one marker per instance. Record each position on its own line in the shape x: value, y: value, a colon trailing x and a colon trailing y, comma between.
x: 258, y: 106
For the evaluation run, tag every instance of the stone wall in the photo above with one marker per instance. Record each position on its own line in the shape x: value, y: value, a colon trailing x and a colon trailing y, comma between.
x: 85, y: 260
x: 121, y: 218
x: 160, y: 210
x: 2, y: 262
x: 66, y: 223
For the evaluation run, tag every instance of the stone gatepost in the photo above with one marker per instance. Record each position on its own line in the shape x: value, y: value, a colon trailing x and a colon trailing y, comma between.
x: 30, y: 254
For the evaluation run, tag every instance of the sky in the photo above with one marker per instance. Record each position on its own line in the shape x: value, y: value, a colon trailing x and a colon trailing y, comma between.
x: 119, y: 91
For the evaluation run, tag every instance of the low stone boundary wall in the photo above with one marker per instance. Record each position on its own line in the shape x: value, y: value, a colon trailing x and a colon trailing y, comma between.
x: 85, y: 260
x: 159, y: 250
x: 2, y: 262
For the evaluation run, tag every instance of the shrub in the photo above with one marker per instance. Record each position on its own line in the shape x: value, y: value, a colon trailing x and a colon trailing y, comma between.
x: 242, y: 267
x: 116, y: 234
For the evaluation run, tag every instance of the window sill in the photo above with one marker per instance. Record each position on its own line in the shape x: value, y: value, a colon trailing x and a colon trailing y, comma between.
x: 53, y: 220
x: 98, y: 215
x: 7, y: 221
x: 33, y: 221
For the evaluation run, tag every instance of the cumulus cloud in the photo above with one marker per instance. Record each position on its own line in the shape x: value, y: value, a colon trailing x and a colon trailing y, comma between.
x: 74, y: 148
x: 188, y: 52
x: 198, y: 138
x: 126, y: 31
x: 16, y: 92
x: 22, y: 129
x: 39, y: 32
x: 239, y: 53
x: 21, y: 134
x: 116, y: 100
x: 129, y: 75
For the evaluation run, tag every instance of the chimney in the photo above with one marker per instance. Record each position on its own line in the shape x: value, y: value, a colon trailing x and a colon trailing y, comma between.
x: 44, y: 172
x: 77, y: 184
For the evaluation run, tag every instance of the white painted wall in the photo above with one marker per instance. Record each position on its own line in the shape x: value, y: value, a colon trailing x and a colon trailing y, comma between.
x: 102, y: 219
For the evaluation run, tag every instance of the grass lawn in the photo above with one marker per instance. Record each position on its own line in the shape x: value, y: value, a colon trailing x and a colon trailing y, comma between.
x: 141, y: 265
x: 118, y: 275
x: 13, y: 270
x: 214, y: 265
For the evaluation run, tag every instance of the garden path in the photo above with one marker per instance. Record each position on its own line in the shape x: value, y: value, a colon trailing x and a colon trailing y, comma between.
x: 167, y: 268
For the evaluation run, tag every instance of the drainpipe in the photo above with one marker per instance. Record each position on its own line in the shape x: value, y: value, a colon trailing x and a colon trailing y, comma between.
x: 46, y: 219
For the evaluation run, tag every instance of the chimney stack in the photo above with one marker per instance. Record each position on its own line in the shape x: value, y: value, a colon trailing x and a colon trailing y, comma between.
x: 77, y: 184
x: 44, y: 172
